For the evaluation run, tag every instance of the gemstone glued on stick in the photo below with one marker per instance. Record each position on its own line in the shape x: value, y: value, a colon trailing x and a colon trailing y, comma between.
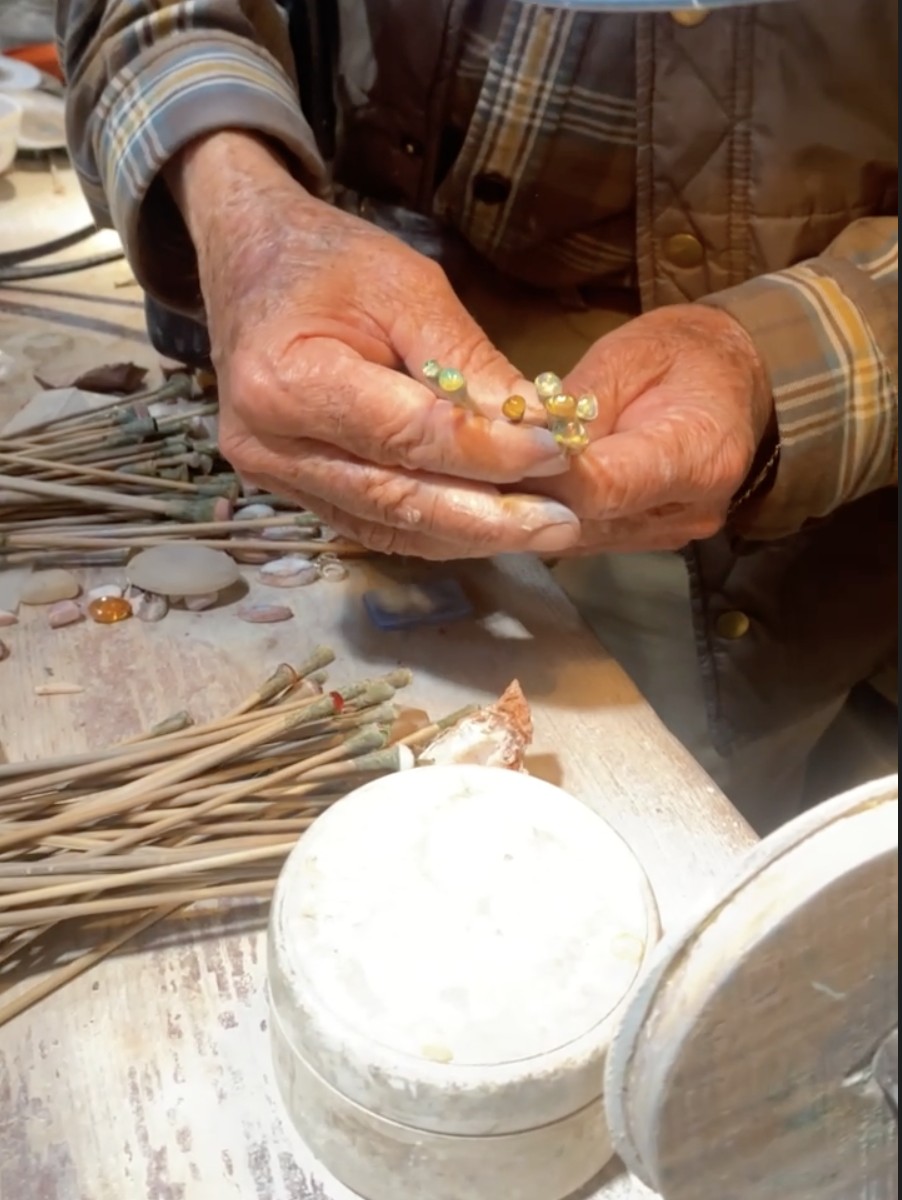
x: 450, y: 382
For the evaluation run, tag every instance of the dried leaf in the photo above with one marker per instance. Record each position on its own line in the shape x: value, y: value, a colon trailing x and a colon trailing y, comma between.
x: 110, y: 379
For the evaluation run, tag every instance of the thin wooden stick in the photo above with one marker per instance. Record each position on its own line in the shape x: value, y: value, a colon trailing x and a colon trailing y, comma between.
x: 117, y: 904
x: 88, y: 495
x: 65, y: 974
x: 142, y: 790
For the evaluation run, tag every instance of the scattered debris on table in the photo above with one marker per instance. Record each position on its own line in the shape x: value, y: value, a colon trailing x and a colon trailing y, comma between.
x: 138, y: 484
x: 183, y: 813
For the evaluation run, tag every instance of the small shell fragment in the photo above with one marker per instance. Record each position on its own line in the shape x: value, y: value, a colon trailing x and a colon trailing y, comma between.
x: 252, y: 557
x: 8, y: 618
x: 253, y: 512
x: 65, y: 612
x: 279, y: 533
x: 331, y: 569
x: 105, y: 591
x: 292, y: 571
x: 264, y: 614
x: 199, y: 603
x: 148, y: 606
x: 58, y: 689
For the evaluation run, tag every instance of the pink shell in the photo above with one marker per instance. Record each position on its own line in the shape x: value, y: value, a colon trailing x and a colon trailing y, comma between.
x: 264, y: 614
x: 65, y: 612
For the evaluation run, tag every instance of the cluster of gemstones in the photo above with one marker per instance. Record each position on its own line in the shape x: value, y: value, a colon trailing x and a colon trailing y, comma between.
x: 566, y: 415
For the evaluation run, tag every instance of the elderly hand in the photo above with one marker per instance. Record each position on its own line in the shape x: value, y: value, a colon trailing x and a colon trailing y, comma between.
x: 683, y: 403
x: 311, y: 313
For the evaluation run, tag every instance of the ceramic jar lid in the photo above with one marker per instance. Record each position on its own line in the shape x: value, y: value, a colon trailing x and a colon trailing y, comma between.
x: 750, y: 1061
x: 451, y: 948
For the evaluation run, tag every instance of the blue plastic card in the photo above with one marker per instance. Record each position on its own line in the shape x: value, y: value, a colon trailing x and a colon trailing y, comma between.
x: 405, y: 606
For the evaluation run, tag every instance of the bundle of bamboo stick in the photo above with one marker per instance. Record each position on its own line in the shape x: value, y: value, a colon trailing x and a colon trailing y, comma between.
x: 134, y: 474
x: 186, y: 813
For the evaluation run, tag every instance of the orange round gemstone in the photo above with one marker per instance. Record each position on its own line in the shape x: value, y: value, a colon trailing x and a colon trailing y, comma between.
x: 108, y: 610
x: 562, y: 407
x: 514, y: 408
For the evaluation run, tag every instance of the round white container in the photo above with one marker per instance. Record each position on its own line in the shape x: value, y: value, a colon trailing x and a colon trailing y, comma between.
x: 449, y: 952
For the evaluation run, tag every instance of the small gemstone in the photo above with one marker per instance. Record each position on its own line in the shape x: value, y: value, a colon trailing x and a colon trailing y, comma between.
x: 514, y: 408
x: 548, y: 384
x: 432, y: 369
x: 562, y: 407
x: 587, y: 407
x: 451, y: 380
x: 109, y: 610
x: 571, y: 435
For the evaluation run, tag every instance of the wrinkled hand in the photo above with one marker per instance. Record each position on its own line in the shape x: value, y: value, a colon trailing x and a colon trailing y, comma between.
x: 313, y: 316
x: 684, y: 402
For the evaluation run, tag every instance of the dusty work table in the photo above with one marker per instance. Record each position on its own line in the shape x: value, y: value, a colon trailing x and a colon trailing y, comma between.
x: 148, y: 1078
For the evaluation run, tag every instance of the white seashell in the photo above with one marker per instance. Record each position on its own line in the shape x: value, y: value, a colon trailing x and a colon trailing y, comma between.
x: 147, y: 606
x: 281, y: 533
x: 264, y: 614
x: 292, y: 571
x: 104, y: 592
x: 64, y: 612
x: 252, y: 512
x: 199, y: 603
x: 495, y: 736
x: 331, y: 569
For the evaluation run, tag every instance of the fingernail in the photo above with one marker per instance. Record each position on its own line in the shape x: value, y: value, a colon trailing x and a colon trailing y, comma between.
x: 551, y: 466
x: 554, y: 461
x: 550, y: 525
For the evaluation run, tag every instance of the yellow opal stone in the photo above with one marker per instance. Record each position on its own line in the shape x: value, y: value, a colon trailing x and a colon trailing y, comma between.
x: 514, y: 408
x: 451, y: 380
x: 587, y: 406
x: 548, y: 384
x: 109, y: 610
x: 562, y: 407
x: 432, y: 369
x: 570, y: 435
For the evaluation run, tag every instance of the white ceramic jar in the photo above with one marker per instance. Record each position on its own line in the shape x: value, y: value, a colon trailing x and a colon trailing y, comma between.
x: 450, y: 950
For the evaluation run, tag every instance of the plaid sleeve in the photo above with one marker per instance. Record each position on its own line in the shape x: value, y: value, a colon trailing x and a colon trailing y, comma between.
x: 145, y: 78
x: 827, y: 333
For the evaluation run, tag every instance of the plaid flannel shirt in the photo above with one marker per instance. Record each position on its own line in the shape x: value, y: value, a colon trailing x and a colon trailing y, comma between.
x: 148, y: 76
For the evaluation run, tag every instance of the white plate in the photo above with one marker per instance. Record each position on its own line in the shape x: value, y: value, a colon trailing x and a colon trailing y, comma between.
x: 43, y: 121
x: 16, y: 76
